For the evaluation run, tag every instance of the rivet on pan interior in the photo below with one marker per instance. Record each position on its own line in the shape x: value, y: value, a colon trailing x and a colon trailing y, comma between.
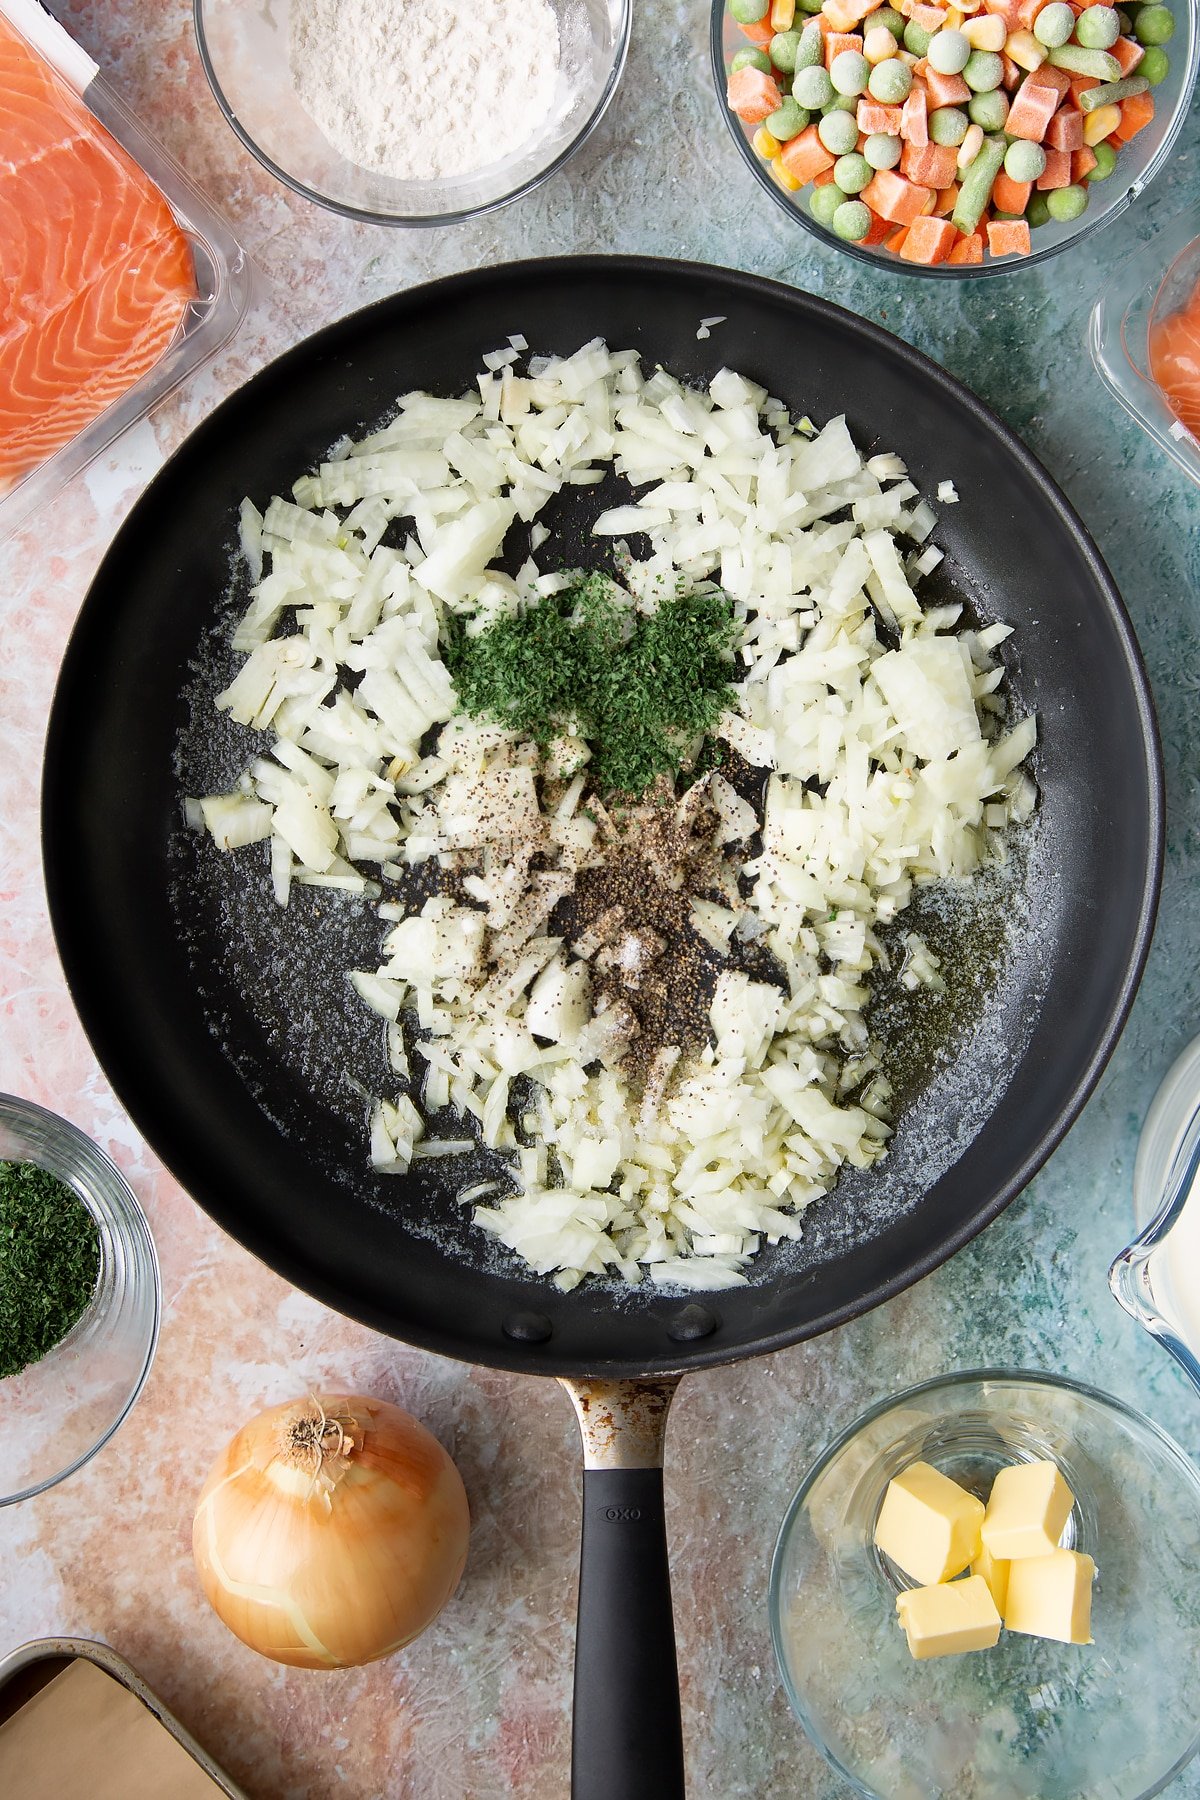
x: 527, y: 1327
x: 693, y: 1322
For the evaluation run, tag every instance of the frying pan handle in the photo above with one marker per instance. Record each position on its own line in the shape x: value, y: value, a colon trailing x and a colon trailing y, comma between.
x: 628, y: 1739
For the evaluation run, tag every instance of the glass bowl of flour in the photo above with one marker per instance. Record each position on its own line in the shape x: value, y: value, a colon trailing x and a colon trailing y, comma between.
x: 413, y: 112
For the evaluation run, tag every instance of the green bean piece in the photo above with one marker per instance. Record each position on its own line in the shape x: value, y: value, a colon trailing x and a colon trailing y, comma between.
x: 977, y: 180
x: 1106, y: 162
x: 788, y: 122
x: 1154, y: 25
x: 810, y: 51
x: 1075, y: 61
x: 1112, y: 91
x: 948, y: 125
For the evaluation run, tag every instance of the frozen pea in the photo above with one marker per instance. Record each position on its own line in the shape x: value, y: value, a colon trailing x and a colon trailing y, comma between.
x: 888, y: 19
x: 841, y: 103
x: 749, y: 12
x: 1067, y: 203
x: 949, y: 52
x: 823, y: 202
x: 852, y: 221
x: 916, y: 39
x: 838, y: 132
x: 812, y: 88
x: 1106, y: 162
x: 882, y: 151
x: 1154, y: 25
x: 1155, y: 65
x: 1097, y: 28
x: 890, y: 82
x: 848, y: 72
x: 783, y: 48
x: 810, y: 51
x: 852, y: 173
x: 1054, y: 25
x: 1038, y: 210
x: 988, y: 111
x: 788, y: 122
x: 751, y: 59
x: 948, y: 125
x: 1124, y: 22
x: 809, y: 6
x: 1022, y: 161
x: 983, y: 71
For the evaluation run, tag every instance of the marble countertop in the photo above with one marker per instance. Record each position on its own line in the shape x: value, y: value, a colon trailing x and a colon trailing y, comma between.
x: 480, y: 1705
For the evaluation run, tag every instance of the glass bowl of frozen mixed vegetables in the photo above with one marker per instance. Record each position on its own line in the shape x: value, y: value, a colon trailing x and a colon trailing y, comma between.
x: 954, y: 140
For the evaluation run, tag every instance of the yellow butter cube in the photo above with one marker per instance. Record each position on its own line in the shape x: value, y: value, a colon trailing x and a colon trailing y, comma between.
x: 995, y: 1573
x: 949, y: 1618
x: 928, y: 1525
x: 1051, y: 1597
x: 1026, y: 1511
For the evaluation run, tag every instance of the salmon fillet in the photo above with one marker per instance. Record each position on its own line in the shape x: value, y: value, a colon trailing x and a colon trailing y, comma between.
x: 95, y: 273
x: 1175, y: 362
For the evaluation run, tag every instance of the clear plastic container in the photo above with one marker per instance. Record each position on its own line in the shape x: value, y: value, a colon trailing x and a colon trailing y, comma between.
x: 1154, y: 281
x: 224, y: 275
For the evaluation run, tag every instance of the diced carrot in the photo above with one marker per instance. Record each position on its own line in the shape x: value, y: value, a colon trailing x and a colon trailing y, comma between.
x: 1065, y: 130
x: 1008, y: 237
x: 844, y: 15
x: 1082, y: 163
x: 967, y: 249
x: 929, y: 241
x: 1127, y: 53
x: 1032, y: 109
x: 753, y: 96
x: 1008, y: 10
x: 945, y: 90
x: 1028, y: 11
x: 880, y: 230
x: 824, y: 25
x: 1011, y: 73
x: 872, y: 116
x: 896, y: 241
x: 1050, y: 77
x: 929, y: 18
x: 945, y: 201
x: 914, y: 117
x: 1136, y: 113
x: 1010, y: 196
x: 760, y: 34
x: 1057, y: 173
x: 837, y: 41
x: 862, y: 138
x: 823, y: 179
x: 933, y: 165
x: 894, y: 198
x: 805, y: 156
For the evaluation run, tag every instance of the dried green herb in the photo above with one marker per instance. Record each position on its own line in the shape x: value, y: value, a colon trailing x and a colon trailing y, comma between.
x: 49, y: 1262
x: 640, y: 688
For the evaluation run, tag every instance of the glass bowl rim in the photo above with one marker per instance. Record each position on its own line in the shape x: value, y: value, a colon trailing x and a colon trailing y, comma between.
x: 957, y: 271
x: 132, y: 1225
x: 414, y: 221
x: 1005, y: 1376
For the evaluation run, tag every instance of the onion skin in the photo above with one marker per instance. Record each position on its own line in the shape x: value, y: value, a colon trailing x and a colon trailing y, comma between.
x: 324, y: 1558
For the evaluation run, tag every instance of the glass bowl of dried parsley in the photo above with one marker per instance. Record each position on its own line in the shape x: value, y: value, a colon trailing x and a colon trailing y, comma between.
x: 79, y: 1299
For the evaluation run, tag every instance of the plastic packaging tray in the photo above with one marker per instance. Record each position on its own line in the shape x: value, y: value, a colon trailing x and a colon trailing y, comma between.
x: 1160, y: 273
x: 28, y: 1668
x: 224, y: 275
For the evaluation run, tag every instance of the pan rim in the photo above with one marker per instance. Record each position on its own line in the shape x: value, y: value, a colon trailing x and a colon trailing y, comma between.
x: 528, y: 1358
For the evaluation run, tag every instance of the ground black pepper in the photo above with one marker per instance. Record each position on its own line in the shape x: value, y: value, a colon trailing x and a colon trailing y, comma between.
x: 49, y: 1263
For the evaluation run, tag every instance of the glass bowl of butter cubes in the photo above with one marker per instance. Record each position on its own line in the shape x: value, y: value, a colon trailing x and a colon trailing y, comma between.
x: 989, y: 1587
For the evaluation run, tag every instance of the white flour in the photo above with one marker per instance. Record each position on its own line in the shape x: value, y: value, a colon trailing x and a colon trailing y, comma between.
x: 424, y: 89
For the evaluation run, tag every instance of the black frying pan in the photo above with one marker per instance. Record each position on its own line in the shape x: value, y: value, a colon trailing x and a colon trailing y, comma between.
x: 227, y: 1039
